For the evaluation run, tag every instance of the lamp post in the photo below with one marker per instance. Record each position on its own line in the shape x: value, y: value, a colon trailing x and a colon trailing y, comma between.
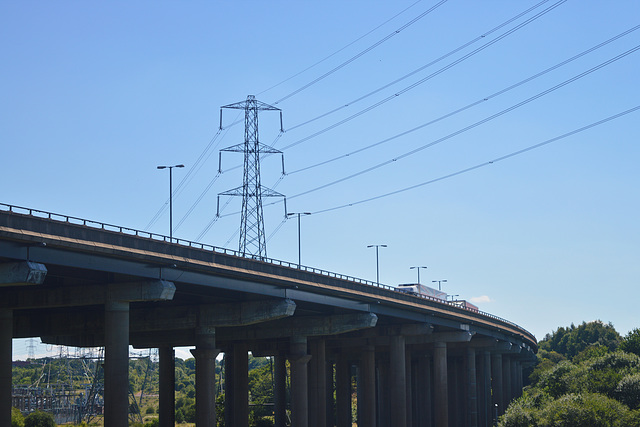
x: 170, y: 197
x: 439, y: 282
x: 418, y: 268
x: 377, y: 261
x: 289, y: 215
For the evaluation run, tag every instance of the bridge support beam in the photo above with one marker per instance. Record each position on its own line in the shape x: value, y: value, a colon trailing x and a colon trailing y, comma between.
x: 472, y: 394
x: 343, y: 391
x: 6, y: 349
x: 318, y: 384
x: 398, y: 381
x: 240, y: 385
x: 367, y: 408
x: 441, y: 397
x: 424, y: 410
x: 506, y: 378
x: 496, y: 384
x: 116, y: 364
x: 205, y: 354
x: 484, y: 389
x: 298, y: 359
x: 167, y: 407
x: 280, y: 395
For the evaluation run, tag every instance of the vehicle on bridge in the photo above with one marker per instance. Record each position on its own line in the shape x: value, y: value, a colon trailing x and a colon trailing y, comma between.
x: 422, y: 290
x: 425, y: 291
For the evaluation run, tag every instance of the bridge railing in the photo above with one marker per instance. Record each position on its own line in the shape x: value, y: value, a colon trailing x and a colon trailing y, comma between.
x: 159, y: 237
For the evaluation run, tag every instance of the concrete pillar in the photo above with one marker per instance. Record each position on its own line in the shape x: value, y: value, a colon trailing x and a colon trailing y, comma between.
x: 229, y: 391
x: 384, y: 417
x: 398, y: 381
x: 116, y: 364
x: 318, y: 385
x: 343, y: 391
x: 519, y: 376
x: 240, y: 385
x: 6, y: 349
x: 506, y: 378
x: 280, y: 392
x: 424, y: 409
x: 298, y: 360
x: 367, y: 408
x: 205, y: 354
x: 441, y: 390
x: 496, y: 384
x: 330, y: 416
x: 515, y: 388
x: 484, y: 389
x: 409, y: 387
x: 167, y: 386
x: 472, y: 396
x: 454, y: 370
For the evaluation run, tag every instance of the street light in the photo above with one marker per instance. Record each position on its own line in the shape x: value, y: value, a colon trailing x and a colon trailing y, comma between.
x: 452, y: 297
x: 377, y: 261
x: 290, y: 214
x: 418, y: 268
x: 439, y: 282
x: 170, y: 197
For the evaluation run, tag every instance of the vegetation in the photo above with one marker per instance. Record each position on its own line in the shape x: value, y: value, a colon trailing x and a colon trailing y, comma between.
x: 585, y: 376
x: 39, y: 419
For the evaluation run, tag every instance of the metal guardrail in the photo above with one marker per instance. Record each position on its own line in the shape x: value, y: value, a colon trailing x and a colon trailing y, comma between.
x: 159, y: 237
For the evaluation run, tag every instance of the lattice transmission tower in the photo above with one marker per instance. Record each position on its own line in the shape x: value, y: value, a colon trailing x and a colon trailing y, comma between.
x: 252, y: 236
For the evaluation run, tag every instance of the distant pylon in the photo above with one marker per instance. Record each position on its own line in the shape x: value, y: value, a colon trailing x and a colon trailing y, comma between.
x: 31, y: 348
x: 252, y: 236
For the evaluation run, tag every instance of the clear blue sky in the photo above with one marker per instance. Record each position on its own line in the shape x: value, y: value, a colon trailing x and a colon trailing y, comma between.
x: 96, y: 95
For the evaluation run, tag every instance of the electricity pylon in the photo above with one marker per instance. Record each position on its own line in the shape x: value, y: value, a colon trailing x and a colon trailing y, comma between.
x: 252, y: 237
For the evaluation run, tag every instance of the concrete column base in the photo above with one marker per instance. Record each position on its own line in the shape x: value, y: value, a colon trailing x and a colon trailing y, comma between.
x: 167, y: 407
x: 6, y: 349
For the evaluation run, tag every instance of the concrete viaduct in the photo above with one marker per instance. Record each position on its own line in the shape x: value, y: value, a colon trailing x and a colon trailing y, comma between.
x: 418, y: 361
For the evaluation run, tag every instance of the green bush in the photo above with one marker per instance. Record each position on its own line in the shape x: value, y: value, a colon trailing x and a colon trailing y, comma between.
x: 628, y: 391
x: 17, y: 419
x: 39, y: 419
x: 603, y: 374
x: 588, y: 409
x: 560, y: 379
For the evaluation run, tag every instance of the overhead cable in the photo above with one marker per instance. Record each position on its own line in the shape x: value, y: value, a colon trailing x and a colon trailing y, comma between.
x: 419, y: 82
x: 487, y: 163
x: 341, y: 49
x: 472, y: 126
x: 353, y: 58
x: 473, y: 104
x: 435, y: 61
x: 183, y: 181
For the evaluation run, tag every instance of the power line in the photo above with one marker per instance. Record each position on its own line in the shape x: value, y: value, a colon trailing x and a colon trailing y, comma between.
x: 473, y: 104
x: 474, y: 125
x: 487, y: 163
x: 353, y: 58
x: 419, y: 82
x: 435, y: 61
x: 340, y: 50
x: 179, y: 187
x: 469, y: 127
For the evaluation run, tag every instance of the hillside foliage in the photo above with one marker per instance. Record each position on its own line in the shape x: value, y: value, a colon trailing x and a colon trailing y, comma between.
x: 586, y: 375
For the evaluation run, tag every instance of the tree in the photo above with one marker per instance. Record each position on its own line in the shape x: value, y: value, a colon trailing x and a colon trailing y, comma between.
x: 573, y: 340
x: 579, y: 410
x: 17, y: 419
x: 631, y: 342
x: 39, y: 419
